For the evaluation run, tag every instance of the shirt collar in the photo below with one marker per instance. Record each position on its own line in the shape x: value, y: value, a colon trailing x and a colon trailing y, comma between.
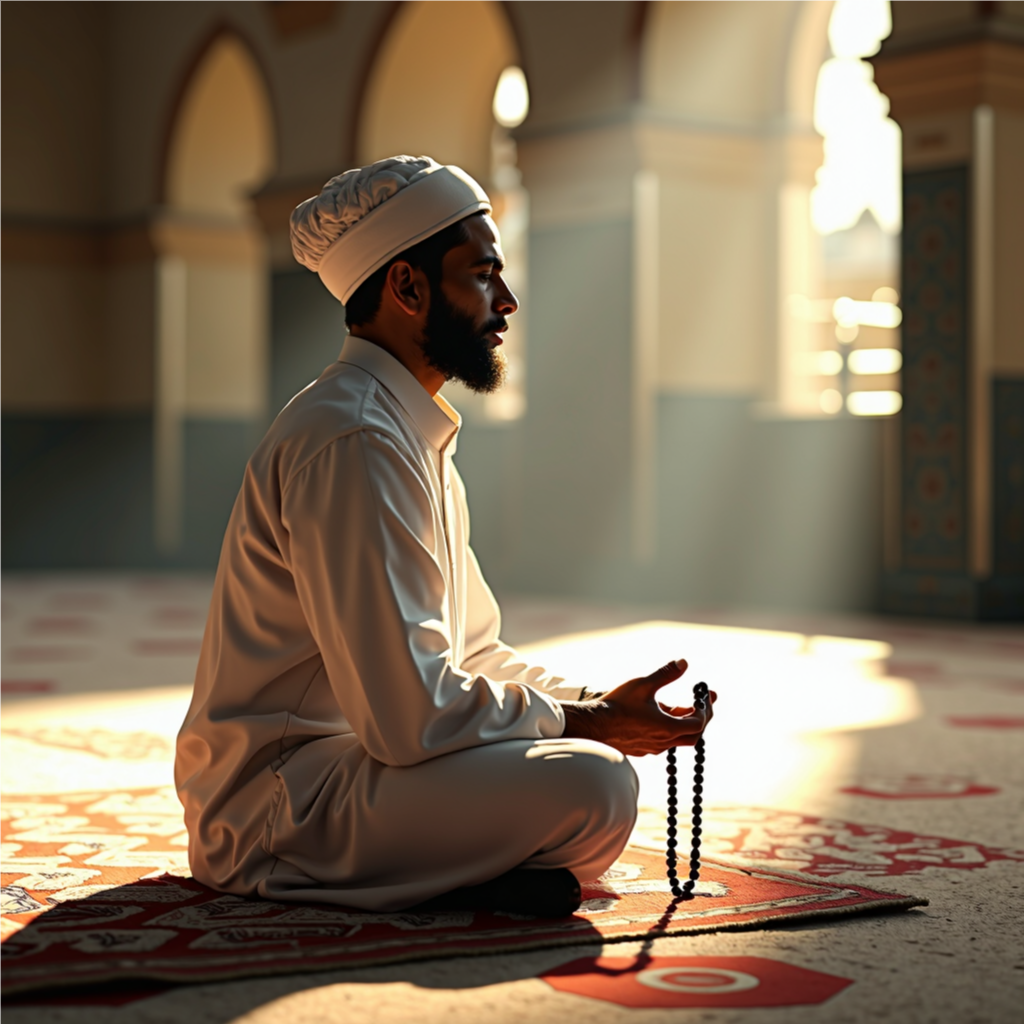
x: 436, y: 419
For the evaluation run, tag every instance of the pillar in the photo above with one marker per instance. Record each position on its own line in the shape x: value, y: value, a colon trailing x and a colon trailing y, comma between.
x: 955, y: 518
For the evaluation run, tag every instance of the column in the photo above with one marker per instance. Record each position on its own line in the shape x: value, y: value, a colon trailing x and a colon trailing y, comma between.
x: 956, y: 514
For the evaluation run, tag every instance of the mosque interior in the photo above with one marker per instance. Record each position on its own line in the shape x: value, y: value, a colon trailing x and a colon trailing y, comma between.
x: 765, y: 410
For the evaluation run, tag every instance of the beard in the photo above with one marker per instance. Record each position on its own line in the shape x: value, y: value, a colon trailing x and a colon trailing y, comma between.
x: 455, y: 346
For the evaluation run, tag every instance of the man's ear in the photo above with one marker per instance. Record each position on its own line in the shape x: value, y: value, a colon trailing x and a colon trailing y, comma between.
x: 408, y: 287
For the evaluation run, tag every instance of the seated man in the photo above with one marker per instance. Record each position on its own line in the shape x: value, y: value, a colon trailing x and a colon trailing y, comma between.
x: 359, y: 733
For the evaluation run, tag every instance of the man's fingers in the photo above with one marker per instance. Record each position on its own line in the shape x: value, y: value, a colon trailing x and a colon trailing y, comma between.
x: 688, y: 726
x: 663, y: 676
x: 675, y: 712
x: 682, y: 712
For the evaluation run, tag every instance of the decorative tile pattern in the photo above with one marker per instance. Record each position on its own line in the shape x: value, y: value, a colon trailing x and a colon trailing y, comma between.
x: 935, y: 234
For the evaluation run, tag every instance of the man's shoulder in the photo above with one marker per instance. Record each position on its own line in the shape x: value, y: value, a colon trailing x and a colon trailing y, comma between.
x: 344, y: 400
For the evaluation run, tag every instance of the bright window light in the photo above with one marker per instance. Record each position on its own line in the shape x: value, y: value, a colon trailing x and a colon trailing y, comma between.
x: 875, y: 360
x: 862, y: 144
x: 849, y: 312
x: 831, y: 401
x: 874, y: 403
x: 830, y: 364
x: 511, y: 98
x: 857, y: 27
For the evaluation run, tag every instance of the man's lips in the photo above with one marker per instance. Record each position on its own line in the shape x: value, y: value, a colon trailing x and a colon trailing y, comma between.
x: 495, y: 336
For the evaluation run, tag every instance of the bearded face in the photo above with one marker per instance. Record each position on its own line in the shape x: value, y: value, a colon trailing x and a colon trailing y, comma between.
x: 460, y: 349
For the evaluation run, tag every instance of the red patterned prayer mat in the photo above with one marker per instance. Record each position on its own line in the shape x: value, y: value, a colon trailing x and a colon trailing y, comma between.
x: 823, y: 847
x: 86, y: 901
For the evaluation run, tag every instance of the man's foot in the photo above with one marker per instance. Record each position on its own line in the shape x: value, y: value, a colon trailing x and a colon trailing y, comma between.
x: 537, y: 892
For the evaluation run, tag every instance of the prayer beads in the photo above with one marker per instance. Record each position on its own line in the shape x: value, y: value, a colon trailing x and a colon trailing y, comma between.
x: 685, y: 891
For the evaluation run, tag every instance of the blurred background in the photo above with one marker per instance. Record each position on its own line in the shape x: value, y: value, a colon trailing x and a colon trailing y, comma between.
x: 770, y: 257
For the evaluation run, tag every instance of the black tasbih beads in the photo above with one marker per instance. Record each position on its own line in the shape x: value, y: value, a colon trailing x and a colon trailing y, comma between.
x: 685, y: 891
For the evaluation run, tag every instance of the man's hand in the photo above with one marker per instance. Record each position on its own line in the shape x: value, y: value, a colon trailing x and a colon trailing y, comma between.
x: 631, y: 719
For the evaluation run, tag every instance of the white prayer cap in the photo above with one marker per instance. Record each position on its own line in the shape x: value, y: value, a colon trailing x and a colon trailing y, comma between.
x: 364, y: 217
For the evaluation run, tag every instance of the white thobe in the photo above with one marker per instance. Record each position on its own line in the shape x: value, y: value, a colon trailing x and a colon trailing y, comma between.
x: 354, y: 706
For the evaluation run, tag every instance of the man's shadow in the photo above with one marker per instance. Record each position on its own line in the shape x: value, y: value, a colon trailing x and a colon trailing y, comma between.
x: 112, y: 949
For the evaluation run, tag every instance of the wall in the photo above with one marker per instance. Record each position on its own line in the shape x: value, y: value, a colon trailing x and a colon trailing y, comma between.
x: 652, y: 479
x: 431, y: 86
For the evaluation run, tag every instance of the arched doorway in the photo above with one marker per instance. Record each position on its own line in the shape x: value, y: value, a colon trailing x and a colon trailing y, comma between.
x: 211, y: 344
x: 432, y: 91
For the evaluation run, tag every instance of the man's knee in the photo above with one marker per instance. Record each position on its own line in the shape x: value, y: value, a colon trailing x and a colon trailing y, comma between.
x: 590, y: 774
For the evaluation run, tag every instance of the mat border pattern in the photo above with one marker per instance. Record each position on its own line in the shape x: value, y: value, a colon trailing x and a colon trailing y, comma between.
x: 304, y: 958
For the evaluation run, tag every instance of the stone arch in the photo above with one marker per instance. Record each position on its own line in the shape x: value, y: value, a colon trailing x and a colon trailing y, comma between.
x: 211, y: 267
x: 429, y: 91
x: 432, y: 81
x: 722, y: 63
x: 733, y: 85
x: 221, y: 144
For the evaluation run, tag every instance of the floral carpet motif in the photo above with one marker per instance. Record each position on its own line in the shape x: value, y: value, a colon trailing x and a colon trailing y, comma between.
x: 95, y: 888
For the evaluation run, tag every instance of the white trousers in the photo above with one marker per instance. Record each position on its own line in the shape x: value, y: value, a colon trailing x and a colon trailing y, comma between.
x: 347, y: 829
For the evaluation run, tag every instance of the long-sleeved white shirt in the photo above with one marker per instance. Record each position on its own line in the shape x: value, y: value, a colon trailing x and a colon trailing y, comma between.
x: 347, y: 601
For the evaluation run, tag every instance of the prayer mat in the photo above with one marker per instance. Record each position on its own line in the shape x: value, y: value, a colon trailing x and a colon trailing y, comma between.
x: 87, y: 899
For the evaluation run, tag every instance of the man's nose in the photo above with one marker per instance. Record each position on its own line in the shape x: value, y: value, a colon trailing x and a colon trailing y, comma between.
x: 505, y: 303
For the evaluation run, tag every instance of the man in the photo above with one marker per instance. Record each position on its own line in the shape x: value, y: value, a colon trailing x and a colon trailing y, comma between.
x: 359, y: 733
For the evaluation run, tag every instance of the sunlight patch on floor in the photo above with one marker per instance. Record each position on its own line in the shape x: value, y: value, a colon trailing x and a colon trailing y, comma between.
x: 789, y: 705
x: 85, y: 735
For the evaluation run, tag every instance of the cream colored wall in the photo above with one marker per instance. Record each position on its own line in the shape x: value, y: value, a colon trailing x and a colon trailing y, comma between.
x: 431, y: 87
x: 221, y: 150
x: 714, y: 332
x: 728, y: 99
x: 311, y: 76
x: 223, y: 143
x: 581, y: 67
x: 212, y: 324
x: 225, y: 358
x: 717, y: 62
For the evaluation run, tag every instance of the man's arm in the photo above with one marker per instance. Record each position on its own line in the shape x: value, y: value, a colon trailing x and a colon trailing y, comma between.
x: 632, y: 720
x: 362, y: 539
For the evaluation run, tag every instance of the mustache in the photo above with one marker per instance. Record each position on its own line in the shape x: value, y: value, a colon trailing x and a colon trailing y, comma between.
x: 494, y: 324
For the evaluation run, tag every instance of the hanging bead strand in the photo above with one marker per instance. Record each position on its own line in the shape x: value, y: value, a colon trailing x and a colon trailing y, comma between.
x: 684, y: 891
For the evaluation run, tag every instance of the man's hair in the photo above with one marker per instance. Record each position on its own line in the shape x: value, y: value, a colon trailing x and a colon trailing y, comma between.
x: 427, y: 256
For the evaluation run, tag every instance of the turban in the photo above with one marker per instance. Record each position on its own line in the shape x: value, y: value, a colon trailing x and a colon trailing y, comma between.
x: 366, y: 216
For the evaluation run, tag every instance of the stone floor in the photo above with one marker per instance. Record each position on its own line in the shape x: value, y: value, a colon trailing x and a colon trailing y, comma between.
x: 825, y: 724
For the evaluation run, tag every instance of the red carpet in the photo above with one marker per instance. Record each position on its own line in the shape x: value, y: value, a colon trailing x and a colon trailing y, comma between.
x: 80, y: 910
